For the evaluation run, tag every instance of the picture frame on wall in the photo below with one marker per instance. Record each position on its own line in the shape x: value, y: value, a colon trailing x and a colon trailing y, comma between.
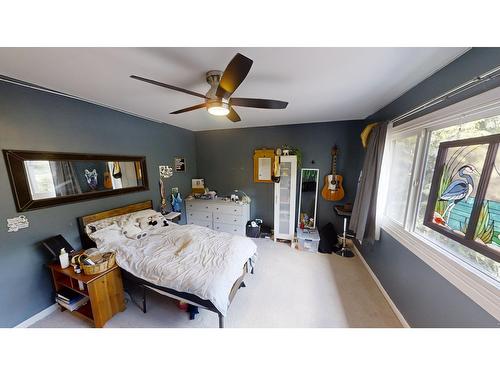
x: 180, y: 164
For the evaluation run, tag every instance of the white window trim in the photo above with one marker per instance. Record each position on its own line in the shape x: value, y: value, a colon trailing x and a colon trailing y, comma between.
x: 483, y: 290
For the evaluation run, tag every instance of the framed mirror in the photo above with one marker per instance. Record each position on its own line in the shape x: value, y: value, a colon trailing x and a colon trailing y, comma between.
x: 263, y: 162
x: 42, y: 179
x: 308, y: 197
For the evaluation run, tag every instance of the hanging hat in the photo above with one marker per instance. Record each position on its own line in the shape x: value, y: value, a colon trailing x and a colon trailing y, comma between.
x: 365, y: 134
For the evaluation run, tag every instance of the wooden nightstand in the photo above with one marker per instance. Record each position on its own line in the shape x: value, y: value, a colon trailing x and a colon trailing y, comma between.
x: 105, y: 291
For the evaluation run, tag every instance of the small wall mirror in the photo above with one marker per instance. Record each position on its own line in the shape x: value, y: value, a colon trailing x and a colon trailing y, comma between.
x: 308, y: 197
x: 263, y: 161
x: 42, y: 179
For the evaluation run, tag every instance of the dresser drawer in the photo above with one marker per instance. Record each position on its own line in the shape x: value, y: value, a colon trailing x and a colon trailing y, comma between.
x: 199, y: 215
x: 201, y: 223
x: 228, y: 219
x: 199, y: 206
x: 228, y: 228
x: 228, y: 209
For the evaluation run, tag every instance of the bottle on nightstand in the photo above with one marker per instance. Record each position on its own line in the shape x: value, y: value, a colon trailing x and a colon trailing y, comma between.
x: 64, y: 258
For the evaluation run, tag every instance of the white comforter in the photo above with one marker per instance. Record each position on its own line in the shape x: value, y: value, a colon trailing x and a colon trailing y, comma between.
x: 187, y: 258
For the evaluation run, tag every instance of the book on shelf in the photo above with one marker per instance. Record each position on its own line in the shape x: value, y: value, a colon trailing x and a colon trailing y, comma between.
x: 68, y: 296
x: 74, y: 305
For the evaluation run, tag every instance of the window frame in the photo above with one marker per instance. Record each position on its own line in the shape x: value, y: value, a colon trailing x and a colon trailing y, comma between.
x: 477, y: 285
x: 468, y: 240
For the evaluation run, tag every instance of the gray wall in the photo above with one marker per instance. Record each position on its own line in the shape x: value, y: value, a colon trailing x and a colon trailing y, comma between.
x: 225, y: 160
x: 35, y: 120
x: 424, y: 297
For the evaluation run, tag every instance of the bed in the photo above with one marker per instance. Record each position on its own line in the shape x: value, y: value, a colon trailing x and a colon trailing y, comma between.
x: 194, y: 264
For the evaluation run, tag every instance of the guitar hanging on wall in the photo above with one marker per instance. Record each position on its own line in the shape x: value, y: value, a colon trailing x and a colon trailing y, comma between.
x: 332, y: 189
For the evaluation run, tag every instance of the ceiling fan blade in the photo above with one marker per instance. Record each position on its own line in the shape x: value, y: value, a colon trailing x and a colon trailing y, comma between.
x: 258, y: 103
x: 198, y: 106
x: 147, y: 80
x: 235, y: 73
x: 233, y: 116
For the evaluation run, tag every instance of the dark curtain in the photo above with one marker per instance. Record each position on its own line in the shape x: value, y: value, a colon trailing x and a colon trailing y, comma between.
x: 363, y: 219
x: 65, y: 178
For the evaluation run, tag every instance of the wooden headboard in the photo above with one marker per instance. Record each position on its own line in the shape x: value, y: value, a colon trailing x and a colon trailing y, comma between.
x: 87, y: 219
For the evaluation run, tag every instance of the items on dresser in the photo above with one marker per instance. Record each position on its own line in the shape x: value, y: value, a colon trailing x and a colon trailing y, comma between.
x: 285, y: 192
x: 217, y: 214
x: 198, y: 186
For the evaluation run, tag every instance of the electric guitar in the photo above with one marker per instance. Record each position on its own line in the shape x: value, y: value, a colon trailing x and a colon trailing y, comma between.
x: 332, y: 189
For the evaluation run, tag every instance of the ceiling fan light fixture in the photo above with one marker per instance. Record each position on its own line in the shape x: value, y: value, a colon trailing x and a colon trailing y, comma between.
x: 218, y: 108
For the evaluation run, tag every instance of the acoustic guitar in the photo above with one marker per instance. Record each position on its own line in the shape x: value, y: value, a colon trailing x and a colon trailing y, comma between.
x: 332, y: 189
x: 108, y: 184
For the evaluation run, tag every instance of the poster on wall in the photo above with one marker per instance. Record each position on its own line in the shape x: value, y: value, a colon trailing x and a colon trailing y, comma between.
x: 180, y: 165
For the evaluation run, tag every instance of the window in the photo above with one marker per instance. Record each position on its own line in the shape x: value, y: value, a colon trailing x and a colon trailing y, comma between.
x: 40, y: 179
x: 403, y: 151
x: 463, y: 203
x: 427, y: 158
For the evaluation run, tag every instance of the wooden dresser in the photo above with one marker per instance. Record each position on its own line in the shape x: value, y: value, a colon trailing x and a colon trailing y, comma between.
x: 219, y: 215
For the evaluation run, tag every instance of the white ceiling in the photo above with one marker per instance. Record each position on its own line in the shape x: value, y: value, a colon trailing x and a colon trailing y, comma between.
x: 320, y: 84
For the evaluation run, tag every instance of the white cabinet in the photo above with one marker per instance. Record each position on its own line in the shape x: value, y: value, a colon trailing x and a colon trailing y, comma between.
x: 217, y: 214
x: 285, y: 193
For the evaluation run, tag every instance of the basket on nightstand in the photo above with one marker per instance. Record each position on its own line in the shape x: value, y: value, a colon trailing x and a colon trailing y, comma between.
x: 103, y: 261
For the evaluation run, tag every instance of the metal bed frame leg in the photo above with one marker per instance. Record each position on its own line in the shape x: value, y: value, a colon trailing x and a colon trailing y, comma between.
x: 221, y: 321
x: 144, y: 299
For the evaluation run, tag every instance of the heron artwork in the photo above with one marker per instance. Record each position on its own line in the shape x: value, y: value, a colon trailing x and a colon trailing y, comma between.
x: 458, y: 190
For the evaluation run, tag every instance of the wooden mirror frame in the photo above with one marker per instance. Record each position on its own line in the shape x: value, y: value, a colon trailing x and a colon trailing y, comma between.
x: 315, y: 198
x: 14, y: 160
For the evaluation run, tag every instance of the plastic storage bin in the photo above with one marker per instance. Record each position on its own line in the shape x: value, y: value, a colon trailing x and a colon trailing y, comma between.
x: 308, y: 239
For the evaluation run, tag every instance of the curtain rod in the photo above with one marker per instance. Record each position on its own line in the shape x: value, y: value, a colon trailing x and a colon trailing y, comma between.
x: 489, y: 75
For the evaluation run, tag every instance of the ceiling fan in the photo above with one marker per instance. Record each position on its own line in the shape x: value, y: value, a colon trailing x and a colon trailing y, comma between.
x: 218, y: 100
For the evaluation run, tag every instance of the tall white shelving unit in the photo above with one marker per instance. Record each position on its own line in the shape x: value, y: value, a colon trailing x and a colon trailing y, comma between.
x: 285, y: 193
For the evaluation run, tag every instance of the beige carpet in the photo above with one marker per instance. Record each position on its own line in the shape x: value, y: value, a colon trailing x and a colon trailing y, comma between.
x: 289, y: 289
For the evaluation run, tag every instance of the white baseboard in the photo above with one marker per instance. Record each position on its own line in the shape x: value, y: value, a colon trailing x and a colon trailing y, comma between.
x: 35, y: 318
x: 382, y: 290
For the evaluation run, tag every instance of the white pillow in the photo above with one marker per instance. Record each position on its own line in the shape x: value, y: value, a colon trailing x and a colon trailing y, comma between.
x: 99, y: 224
x: 120, y: 220
x: 106, y: 235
